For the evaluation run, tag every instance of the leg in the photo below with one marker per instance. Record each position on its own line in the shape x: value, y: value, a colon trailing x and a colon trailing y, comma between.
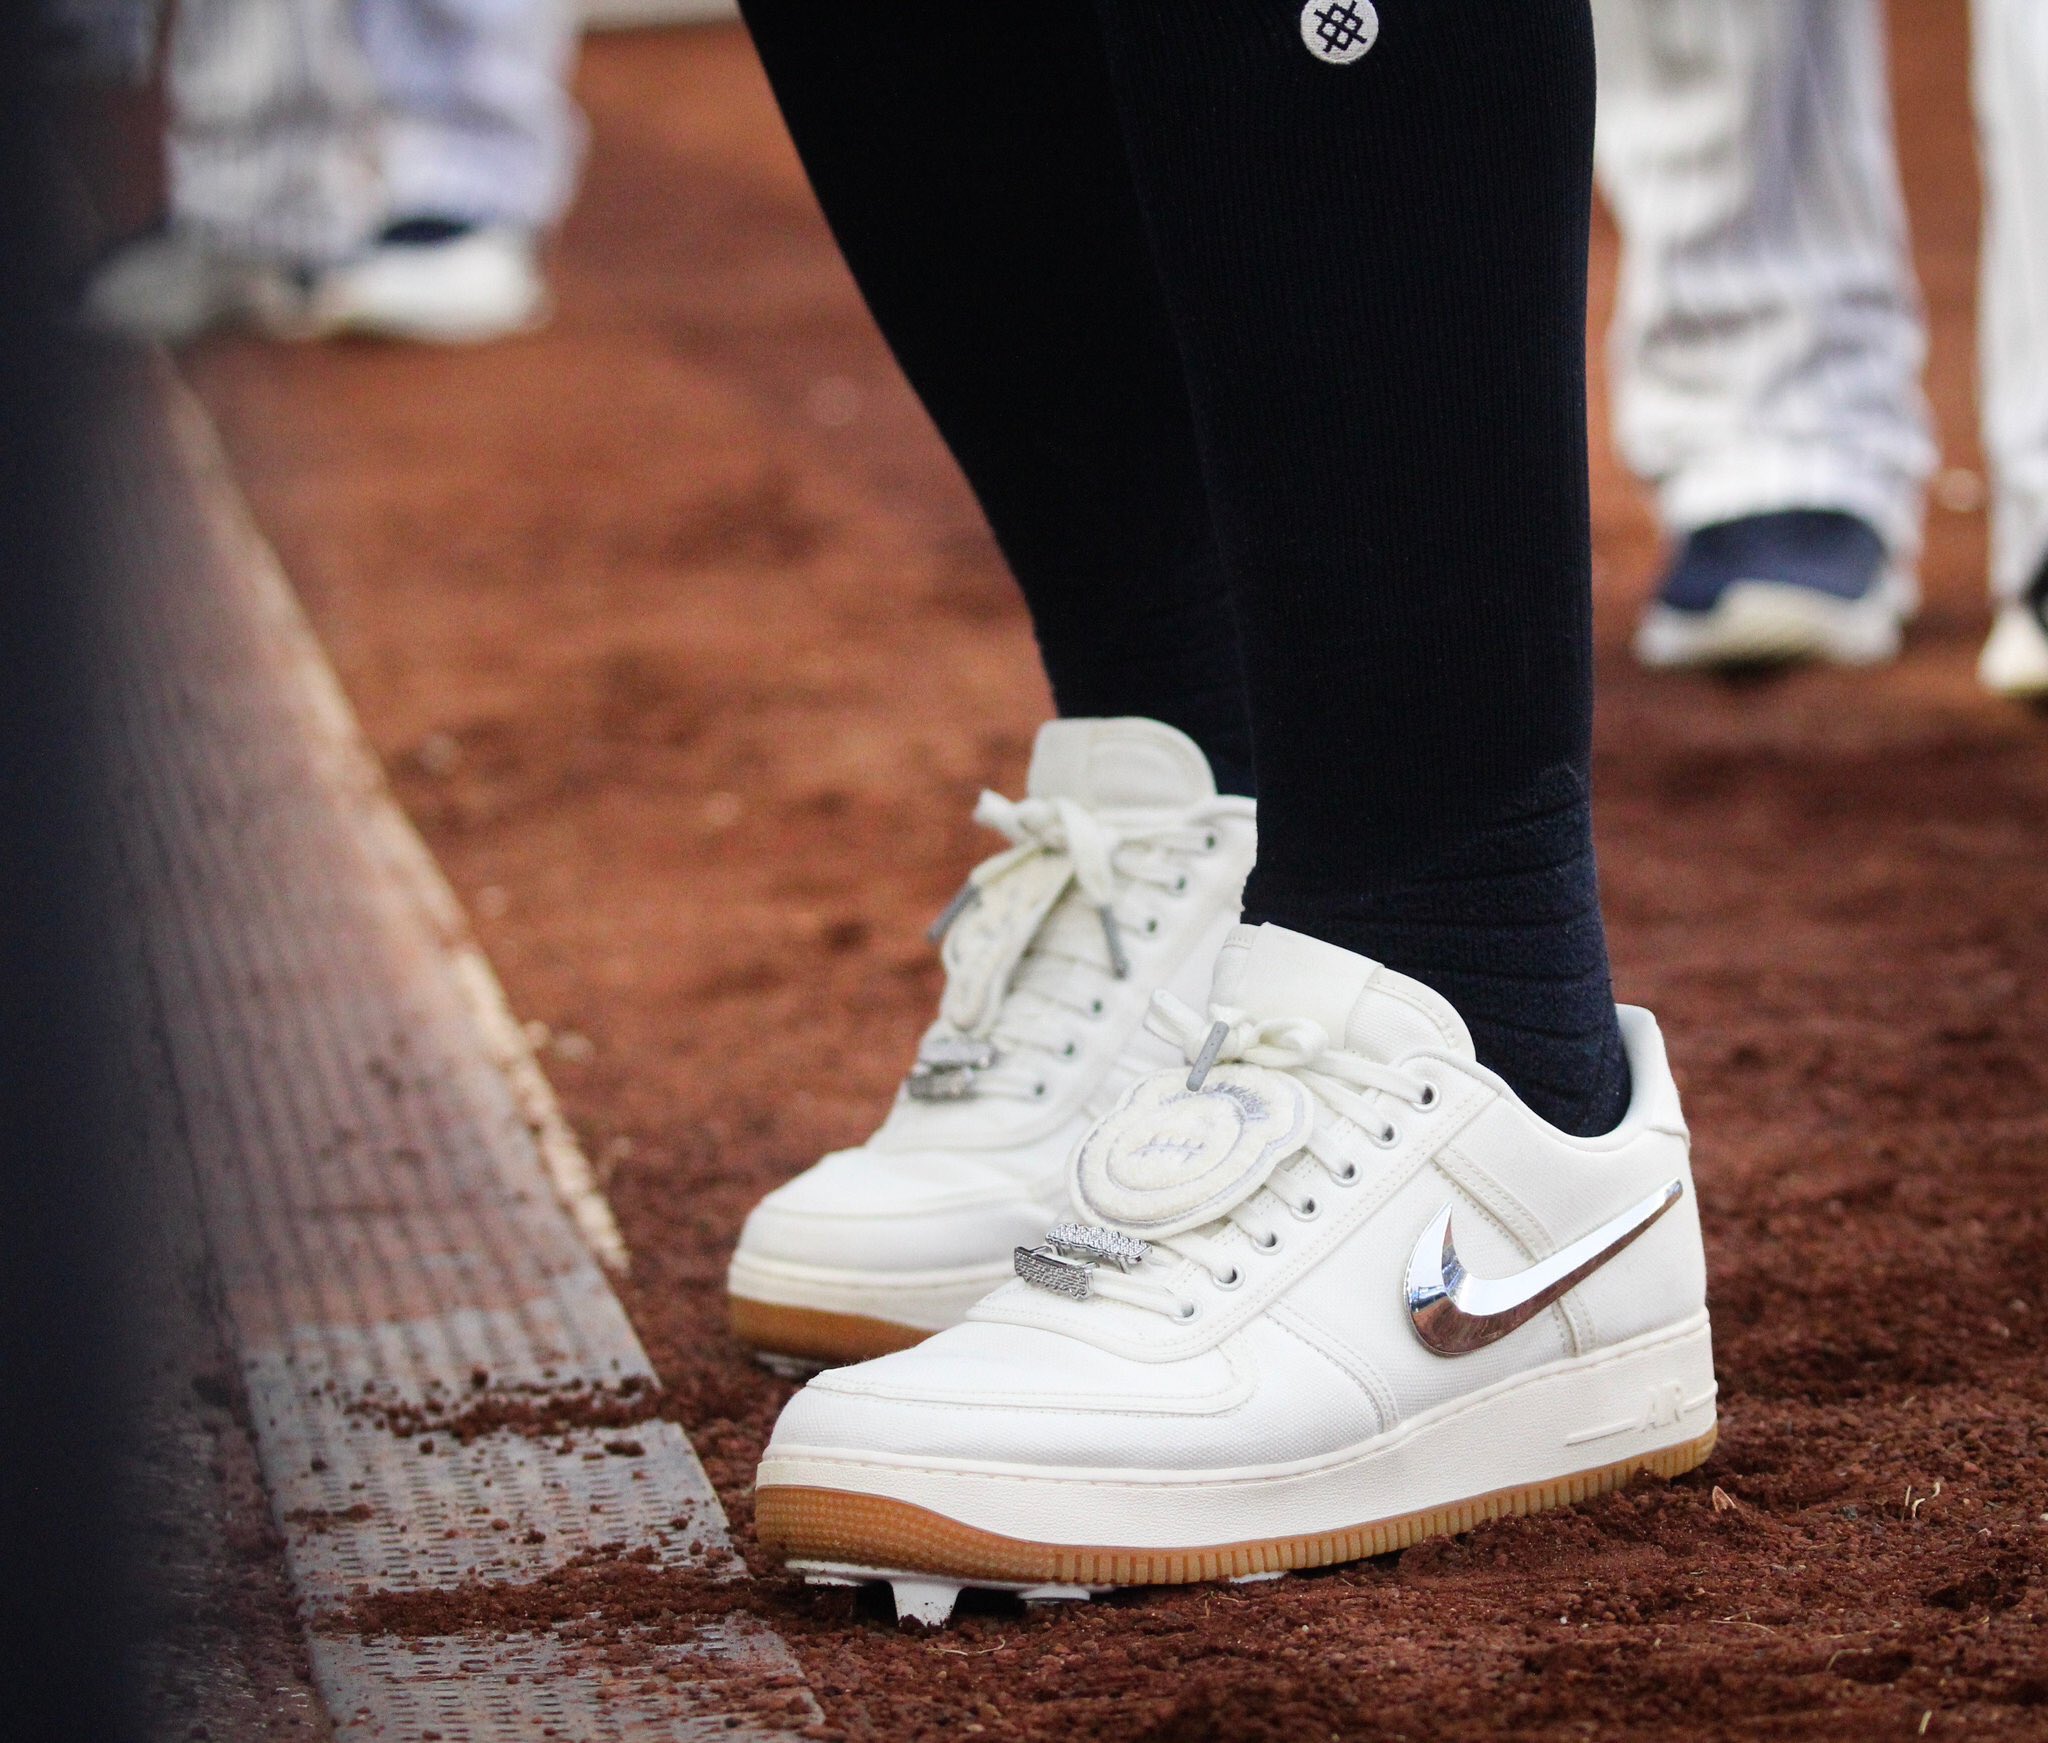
x: 269, y: 133
x: 2012, y: 109
x: 1769, y: 346
x: 2011, y: 79
x: 1337, y: 1288
x: 478, y: 124
x: 968, y: 159
x: 1390, y: 393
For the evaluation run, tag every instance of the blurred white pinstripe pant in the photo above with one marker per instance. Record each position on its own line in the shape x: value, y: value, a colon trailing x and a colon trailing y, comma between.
x: 1769, y: 343
x: 299, y: 126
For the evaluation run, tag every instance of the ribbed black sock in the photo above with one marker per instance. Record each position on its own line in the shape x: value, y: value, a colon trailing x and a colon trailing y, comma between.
x: 1506, y: 925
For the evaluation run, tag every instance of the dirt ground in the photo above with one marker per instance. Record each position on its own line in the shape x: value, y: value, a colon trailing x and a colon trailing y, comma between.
x: 684, y: 647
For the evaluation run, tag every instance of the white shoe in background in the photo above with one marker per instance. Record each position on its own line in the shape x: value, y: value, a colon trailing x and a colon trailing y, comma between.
x: 437, y: 281
x: 2014, y: 662
x: 173, y: 284
x: 1332, y: 1289
x: 1125, y: 875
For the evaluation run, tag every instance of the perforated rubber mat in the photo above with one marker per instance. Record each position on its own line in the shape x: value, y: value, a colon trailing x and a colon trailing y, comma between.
x: 443, y: 1389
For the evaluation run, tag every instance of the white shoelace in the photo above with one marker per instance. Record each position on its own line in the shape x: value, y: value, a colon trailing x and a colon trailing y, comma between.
x: 1036, y: 1019
x: 1348, y: 1085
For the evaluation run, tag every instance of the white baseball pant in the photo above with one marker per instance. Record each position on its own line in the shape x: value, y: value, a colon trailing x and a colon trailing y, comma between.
x: 299, y: 126
x: 1769, y: 343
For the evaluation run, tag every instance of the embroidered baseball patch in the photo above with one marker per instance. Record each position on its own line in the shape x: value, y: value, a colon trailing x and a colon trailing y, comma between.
x: 1339, y: 31
x: 1168, y: 1158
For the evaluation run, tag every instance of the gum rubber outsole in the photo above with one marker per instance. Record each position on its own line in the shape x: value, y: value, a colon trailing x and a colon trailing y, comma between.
x: 801, y: 1524
x: 813, y: 1335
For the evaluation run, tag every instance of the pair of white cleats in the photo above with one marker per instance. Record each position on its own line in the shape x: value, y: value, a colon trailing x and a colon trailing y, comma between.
x: 1263, y: 1272
x: 174, y: 284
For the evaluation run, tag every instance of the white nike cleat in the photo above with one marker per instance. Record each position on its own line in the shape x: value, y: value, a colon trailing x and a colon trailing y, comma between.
x: 174, y: 284
x: 2014, y: 662
x: 1335, y: 1290
x: 1125, y: 876
x: 450, y: 284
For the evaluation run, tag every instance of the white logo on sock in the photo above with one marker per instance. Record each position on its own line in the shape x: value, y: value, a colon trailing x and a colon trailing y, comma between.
x: 1339, y: 31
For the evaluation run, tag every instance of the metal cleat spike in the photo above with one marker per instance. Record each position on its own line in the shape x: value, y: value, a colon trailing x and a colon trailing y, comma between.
x: 1055, y: 1594
x: 928, y: 1601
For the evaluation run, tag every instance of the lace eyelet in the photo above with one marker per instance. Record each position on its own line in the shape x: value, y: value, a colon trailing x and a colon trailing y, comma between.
x: 1038, y: 1090
x: 1429, y: 1096
x: 1388, y: 1139
x: 1187, y: 1311
x: 1070, y: 1049
x: 1230, y: 1279
x: 1152, y: 926
x: 1180, y: 885
x: 1271, y: 1244
x: 1095, y: 1007
x: 1347, y: 1175
x: 1209, y: 842
x: 1307, y: 1211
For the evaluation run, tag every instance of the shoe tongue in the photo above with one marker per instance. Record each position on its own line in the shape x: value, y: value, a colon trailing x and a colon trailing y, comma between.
x: 1364, y: 1007
x: 1119, y: 765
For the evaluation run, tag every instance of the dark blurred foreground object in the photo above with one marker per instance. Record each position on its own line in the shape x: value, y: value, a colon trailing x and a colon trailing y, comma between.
x: 62, y: 1324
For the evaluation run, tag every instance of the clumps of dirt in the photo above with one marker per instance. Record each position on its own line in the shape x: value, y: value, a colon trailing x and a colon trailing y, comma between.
x: 639, y: 1619
x: 595, y: 1595
x: 538, y: 1412
x: 319, y: 1519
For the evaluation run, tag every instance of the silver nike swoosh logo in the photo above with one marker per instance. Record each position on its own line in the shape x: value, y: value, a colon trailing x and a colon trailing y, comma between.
x: 1455, y: 1313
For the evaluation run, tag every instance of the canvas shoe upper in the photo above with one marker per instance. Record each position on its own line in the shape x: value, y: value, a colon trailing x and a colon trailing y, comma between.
x: 1377, y: 1298
x: 1123, y: 875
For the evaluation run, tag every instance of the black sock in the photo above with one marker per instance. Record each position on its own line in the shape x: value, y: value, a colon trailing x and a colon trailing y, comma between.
x: 1312, y: 330
x: 968, y: 158
x: 1377, y: 275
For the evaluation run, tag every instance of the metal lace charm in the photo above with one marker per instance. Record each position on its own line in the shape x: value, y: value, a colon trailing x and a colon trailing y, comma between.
x: 964, y: 898
x: 1067, y: 1258
x: 1198, y: 1072
x: 947, y: 1067
x: 1113, y: 936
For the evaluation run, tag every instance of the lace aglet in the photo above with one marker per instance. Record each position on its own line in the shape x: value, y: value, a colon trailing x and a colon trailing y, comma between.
x: 1211, y: 1046
x: 1113, y: 935
x: 968, y: 894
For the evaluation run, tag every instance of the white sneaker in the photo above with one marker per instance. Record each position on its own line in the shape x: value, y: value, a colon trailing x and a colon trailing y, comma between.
x: 461, y: 288
x: 1125, y: 876
x: 173, y: 284
x: 1342, y: 1291
x: 2015, y: 660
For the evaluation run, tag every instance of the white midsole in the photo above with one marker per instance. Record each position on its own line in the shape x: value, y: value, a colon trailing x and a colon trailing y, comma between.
x: 1577, y: 1415
x: 1767, y: 620
x: 926, y: 1300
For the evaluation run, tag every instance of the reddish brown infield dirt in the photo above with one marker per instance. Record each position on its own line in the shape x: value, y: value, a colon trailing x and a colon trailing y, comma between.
x: 684, y: 647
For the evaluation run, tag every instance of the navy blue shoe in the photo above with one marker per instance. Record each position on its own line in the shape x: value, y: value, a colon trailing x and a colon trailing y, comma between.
x: 1798, y: 584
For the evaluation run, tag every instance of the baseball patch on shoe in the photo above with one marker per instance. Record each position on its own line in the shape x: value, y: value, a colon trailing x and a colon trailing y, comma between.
x: 1339, y: 31
x: 1168, y: 1158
